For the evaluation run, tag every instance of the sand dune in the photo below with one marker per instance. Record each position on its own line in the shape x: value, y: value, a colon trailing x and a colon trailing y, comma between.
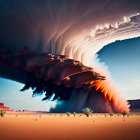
x: 17, y: 126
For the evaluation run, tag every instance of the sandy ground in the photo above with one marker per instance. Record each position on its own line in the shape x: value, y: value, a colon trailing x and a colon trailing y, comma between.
x: 19, y: 126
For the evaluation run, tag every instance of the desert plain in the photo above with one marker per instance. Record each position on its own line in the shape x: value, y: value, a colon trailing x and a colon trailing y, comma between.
x: 58, y: 126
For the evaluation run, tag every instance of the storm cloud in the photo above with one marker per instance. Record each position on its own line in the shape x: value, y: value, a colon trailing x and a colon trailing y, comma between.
x: 63, y: 37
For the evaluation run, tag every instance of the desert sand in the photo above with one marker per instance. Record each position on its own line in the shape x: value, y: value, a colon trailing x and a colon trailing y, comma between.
x: 39, y: 126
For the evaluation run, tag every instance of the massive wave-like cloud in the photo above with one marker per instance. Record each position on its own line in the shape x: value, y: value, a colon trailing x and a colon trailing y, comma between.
x: 55, y: 29
x: 69, y: 79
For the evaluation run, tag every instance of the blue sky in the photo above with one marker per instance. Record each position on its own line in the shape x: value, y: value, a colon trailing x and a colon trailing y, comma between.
x: 11, y: 96
x: 123, y: 61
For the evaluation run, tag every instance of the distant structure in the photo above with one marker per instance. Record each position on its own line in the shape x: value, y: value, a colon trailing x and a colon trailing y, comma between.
x: 2, y: 107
